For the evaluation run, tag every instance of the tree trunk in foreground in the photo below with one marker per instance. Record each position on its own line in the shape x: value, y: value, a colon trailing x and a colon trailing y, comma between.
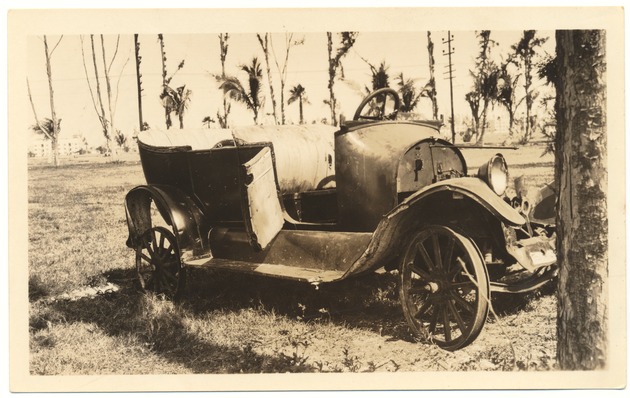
x: 582, y: 216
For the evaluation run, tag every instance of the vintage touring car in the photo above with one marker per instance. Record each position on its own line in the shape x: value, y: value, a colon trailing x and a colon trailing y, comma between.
x: 316, y: 205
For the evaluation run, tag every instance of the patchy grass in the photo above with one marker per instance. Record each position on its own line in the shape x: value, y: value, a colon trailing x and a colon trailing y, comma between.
x: 77, y: 224
x: 230, y: 323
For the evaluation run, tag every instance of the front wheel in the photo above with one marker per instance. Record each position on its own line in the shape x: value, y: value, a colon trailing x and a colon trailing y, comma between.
x: 158, y: 266
x: 444, y: 287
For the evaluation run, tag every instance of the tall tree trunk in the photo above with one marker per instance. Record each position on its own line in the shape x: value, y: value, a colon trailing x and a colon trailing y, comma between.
x: 529, y: 100
x: 112, y: 128
x: 167, y: 113
x: 282, y: 117
x: 582, y: 209
x: 482, y: 124
x: 432, y: 77
x: 223, y: 42
x: 283, y: 71
x: 102, y: 116
x: 301, y: 111
x: 265, y: 47
x: 138, y: 79
x: 53, y: 114
x: 332, y: 71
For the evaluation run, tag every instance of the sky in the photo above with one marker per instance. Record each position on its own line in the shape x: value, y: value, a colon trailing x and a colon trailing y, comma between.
x: 404, y: 52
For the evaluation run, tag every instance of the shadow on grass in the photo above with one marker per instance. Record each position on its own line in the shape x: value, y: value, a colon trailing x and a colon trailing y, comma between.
x: 505, y: 304
x: 161, y: 327
x: 36, y: 288
x: 368, y: 302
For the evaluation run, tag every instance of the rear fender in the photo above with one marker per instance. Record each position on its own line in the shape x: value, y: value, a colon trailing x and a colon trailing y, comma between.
x: 441, y: 203
x: 178, y: 210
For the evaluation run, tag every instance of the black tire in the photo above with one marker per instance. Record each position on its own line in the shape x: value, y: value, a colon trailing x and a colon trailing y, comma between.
x: 158, y: 265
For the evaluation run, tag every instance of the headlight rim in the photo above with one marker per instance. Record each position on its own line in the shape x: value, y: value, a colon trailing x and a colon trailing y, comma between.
x: 494, y: 168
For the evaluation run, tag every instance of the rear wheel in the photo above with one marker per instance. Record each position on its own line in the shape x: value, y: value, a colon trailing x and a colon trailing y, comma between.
x: 444, y: 287
x: 158, y: 265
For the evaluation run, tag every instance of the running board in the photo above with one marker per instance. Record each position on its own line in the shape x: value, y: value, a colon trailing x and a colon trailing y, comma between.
x: 527, y: 285
x: 310, y: 275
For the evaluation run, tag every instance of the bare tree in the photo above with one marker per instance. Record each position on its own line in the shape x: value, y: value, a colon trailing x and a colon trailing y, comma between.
x: 524, y: 51
x: 167, y: 112
x: 264, y: 44
x: 106, y: 119
x: 50, y: 130
x: 581, y: 175
x: 485, y: 89
x: 138, y: 59
x: 173, y: 100
x: 506, y: 91
x: 288, y: 43
x: 334, y: 66
x: 223, y: 42
x: 431, y: 91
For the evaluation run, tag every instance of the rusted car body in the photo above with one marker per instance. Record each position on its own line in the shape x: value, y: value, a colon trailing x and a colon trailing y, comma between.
x: 320, y: 205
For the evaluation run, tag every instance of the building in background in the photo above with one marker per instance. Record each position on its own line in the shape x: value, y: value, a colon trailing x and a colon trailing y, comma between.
x: 42, y: 147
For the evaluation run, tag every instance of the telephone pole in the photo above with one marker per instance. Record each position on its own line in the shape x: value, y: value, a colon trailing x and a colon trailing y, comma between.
x: 450, y: 71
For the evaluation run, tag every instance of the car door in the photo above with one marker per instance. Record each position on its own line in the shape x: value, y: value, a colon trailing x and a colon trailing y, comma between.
x: 262, y: 211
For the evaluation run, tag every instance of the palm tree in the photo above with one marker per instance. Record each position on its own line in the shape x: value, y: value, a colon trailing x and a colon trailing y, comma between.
x: 121, y: 140
x: 334, y: 66
x: 183, y: 99
x: 298, y: 93
x: 175, y: 101
x: 207, y: 121
x: 409, y: 95
x: 46, y: 127
x: 250, y: 96
x: 168, y: 98
x: 52, y: 132
x: 380, y: 77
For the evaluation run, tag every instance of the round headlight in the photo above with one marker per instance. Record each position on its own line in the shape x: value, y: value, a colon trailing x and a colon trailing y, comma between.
x: 495, y: 174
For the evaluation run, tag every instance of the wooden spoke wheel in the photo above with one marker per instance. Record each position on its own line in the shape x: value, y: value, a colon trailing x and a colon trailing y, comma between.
x: 157, y: 263
x: 444, y: 289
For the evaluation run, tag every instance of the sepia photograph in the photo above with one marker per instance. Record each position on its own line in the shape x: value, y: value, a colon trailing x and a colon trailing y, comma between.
x: 316, y: 199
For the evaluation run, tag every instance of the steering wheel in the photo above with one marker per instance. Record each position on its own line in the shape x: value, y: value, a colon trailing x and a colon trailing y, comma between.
x: 384, y: 92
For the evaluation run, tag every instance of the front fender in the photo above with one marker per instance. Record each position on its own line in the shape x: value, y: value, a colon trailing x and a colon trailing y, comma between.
x: 393, y: 229
x: 474, y: 189
x: 177, y: 209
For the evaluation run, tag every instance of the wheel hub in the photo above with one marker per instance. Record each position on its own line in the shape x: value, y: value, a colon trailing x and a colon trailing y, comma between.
x: 432, y: 287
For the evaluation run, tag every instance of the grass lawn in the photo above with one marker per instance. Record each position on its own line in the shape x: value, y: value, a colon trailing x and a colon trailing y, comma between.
x: 231, y: 323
